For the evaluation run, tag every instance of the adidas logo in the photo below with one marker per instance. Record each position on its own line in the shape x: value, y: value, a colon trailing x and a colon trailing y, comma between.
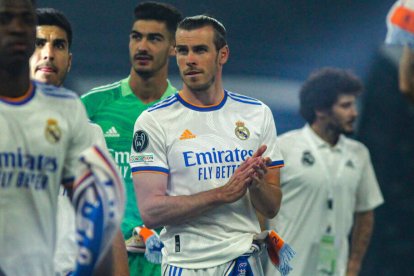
x: 187, y: 135
x: 112, y: 132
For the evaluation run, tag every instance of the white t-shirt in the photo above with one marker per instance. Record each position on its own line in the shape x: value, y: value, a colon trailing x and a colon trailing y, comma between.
x: 200, y: 148
x: 42, y: 136
x: 314, y: 173
x: 66, y: 245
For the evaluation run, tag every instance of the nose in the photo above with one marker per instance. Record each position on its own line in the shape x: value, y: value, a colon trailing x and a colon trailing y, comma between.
x: 47, y: 52
x: 143, y: 45
x: 191, y: 59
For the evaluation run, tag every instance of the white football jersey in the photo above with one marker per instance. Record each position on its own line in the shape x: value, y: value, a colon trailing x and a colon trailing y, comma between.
x: 200, y: 148
x: 43, y: 133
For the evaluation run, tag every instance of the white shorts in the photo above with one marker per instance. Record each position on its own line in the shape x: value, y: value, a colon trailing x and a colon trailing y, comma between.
x: 248, y: 264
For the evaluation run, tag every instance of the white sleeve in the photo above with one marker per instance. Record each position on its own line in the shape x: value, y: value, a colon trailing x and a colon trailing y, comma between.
x: 269, y: 138
x: 81, y: 139
x: 98, y: 136
x: 368, y: 192
x: 148, y: 150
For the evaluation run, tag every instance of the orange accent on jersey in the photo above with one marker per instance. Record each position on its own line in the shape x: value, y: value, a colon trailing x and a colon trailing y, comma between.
x: 26, y: 94
x: 277, y: 166
x: 403, y: 18
x: 201, y: 106
x: 187, y: 135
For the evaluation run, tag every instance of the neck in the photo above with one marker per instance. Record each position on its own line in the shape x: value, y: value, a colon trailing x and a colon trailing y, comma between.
x: 148, y: 89
x: 210, y: 96
x: 14, y: 85
x: 326, y: 133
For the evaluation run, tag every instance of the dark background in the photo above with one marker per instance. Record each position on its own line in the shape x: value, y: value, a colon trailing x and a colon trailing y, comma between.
x: 274, y: 46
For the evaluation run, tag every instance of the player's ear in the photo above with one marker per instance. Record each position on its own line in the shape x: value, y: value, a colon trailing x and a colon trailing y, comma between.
x: 223, y: 55
x: 69, y: 62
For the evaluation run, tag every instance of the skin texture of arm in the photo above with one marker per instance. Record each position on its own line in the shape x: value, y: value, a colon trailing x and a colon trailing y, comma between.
x: 265, y: 192
x: 361, y: 236
x: 120, y: 255
x: 406, y: 73
x: 158, y: 209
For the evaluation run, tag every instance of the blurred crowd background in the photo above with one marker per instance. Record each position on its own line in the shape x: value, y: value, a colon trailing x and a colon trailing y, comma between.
x: 274, y: 45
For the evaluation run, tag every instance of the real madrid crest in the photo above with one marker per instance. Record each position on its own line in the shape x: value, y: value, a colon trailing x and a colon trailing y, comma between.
x: 52, y: 131
x: 241, y: 131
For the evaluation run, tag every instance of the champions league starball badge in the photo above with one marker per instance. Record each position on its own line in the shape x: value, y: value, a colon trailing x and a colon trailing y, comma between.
x: 52, y: 131
x: 241, y: 131
x: 140, y: 141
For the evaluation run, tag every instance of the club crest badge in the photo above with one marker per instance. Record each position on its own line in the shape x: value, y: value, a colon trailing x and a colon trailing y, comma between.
x: 241, y: 131
x: 52, y: 131
x: 307, y: 158
x: 140, y: 141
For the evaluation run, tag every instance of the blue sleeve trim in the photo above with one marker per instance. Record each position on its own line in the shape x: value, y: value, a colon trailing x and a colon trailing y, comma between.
x: 150, y: 168
x: 276, y: 163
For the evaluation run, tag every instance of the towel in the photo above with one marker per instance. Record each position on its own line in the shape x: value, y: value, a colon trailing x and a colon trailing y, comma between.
x: 99, y: 201
x: 279, y: 252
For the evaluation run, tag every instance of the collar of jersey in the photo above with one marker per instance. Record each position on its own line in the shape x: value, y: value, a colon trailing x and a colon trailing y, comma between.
x: 200, y: 107
x: 320, y: 143
x: 126, y: 89
x: 22, y: 99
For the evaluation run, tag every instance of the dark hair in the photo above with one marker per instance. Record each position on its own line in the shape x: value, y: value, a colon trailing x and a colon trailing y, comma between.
x: 322, y: 89
x: 159, y: 12
x: 53, y: 17
x: 199, y: 21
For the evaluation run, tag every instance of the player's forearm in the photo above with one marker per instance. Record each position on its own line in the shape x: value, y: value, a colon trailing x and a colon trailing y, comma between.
x: 120, y: 256
x: 266, y: 199
x: 361, y: 236
x: 172, y: 210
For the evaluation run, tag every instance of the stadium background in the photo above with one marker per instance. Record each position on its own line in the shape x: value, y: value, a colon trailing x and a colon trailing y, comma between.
x: 274, y: 45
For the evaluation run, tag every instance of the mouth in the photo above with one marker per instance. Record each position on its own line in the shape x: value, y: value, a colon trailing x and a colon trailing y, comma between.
x: 46, y: 69
x: 142, y: 57
x: 192, y: 72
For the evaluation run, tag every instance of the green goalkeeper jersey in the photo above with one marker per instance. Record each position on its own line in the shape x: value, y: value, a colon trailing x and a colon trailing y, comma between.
x: 115, y: 108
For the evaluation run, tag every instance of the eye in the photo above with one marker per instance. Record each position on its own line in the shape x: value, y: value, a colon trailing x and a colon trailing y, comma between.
x: 39, y: 43
x: 181, y: 50
x: 200, y: 50
x: 60, y: 45
x: 135, y: 36
x: 5, y: 18
x: 155, y: 38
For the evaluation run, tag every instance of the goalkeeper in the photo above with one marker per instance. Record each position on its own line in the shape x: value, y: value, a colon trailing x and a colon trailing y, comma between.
x: 116, y: 106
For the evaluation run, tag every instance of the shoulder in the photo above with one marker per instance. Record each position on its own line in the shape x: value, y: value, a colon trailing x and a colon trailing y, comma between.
x: 102, y: 92
x: 164, y: 104
x: 291, y: 139
x: 244, y: 100
x: 54, y: 92
x: 355, y: 146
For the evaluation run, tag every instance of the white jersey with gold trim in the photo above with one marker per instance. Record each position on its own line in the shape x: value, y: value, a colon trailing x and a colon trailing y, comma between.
x: 42, y: 135
x: 200, y: 148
